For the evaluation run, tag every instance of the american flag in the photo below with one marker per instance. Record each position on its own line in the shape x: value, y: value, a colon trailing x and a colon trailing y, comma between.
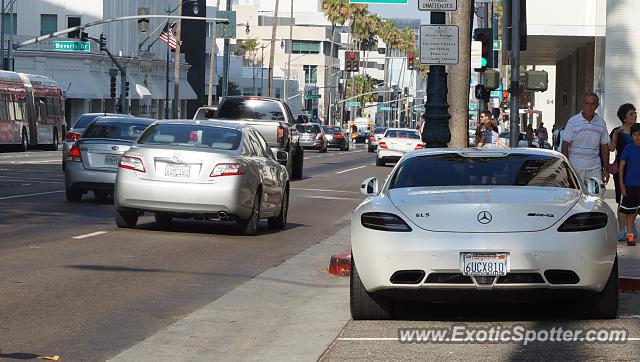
x: 168, y: 37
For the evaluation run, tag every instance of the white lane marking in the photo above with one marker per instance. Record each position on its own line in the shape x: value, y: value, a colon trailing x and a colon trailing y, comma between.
x: 29, y: 181
x: 33, y: 162
x: 351, y: 169
x: 328, y: 198
x: 29, y: 195
x: 89, y: 235
x: 323, y: 190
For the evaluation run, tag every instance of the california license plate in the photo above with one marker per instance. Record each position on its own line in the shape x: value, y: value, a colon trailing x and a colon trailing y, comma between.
x: 111, y: 160
x: 177, y: 170
x: 484, y: 264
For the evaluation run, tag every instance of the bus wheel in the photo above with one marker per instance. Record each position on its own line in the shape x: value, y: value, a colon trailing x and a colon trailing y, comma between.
x: 56, y: 141
x: 24, y: 146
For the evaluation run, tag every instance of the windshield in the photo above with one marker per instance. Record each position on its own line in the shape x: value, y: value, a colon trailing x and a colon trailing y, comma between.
x: 255, y: 109
x: 116, y: 130
x: 201, y: 136
x: 85, y: 120
x: 332, y: 129
x: 308, y: 128
x: 398, y: 133
x: 379, y: 130
x: 457, y: 170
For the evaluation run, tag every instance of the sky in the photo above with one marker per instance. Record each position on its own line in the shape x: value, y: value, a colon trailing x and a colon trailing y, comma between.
x: 409, y: 10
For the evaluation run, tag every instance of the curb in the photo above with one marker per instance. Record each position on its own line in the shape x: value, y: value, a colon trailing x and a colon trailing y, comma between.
x: 629, y: 284
x: 340, y: 264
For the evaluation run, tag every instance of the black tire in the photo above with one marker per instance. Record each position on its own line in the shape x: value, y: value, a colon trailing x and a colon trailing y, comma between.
x: 249, y: 226
x: 56, y: 141
x: 604, y: 305
x: 73, y: 194
x: 162, y: 218
x: 298, y: 164
x: 126, y: 218
x: 379, y: 162
x: 280, y: 222
x: 24, y: 143
x: 365, y: 305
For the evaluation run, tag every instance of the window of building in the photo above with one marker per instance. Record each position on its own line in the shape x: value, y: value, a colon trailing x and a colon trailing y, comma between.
x: 71, y: 22
x: 10, y: 23
x: 305, y: 47
x: 48, y: 23
x: 310, y: 74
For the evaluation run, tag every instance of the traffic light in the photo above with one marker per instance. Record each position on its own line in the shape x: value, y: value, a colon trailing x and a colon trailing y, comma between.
x: 126, y: 89
x: 112, y: 89
x: 482, y: 93
x: 103, y: 42
x: 352, y: 62
x: 507, y: 25
x: 143, y: 24
x: 485, y: 36
x: 411, y: 58
x: 84, y: 36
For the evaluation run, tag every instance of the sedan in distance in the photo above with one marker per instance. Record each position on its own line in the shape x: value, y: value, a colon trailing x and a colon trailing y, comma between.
x: 374, y: 138
x: 92, y: 161
x: 495, y: 225
x: 206, y: 170
x: 312, y: 136
x: 335, y: 137
x: 395, y: 143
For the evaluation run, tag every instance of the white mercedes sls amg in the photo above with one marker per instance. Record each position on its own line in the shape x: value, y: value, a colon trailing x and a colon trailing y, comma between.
x: 483, y: 225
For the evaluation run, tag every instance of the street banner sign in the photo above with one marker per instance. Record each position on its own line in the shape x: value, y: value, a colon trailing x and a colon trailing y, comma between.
x: 438, y: 5
x: 439, y: 44
x: 312, y: 96
x: 72, y: 46
x: 352, y: 104
x: 226, y: 31
x: 378, y: 1
x: 476, y: 54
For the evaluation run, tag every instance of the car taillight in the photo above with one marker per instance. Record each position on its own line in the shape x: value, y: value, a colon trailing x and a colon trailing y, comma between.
x: 584, y: 221
x: 281, y: 135
x: 74, y: 154
x: 419, y: 147
x: 132, y: 163
x: 227, y: 169
x: 319, y: 136
x: 72, y: 136
x: 384, y: 222
x: 382, y: 145
x: 373, y: 138
x: 338, y: 136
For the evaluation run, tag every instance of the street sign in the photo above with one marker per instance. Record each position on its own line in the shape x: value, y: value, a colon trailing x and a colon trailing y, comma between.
x: 312, y: 96
x: 352, y: 104
x: 378, y: 1
x: 387, y: 108
x: 113, y: 72
x: 226, y: 31
x: 72, y: 46
x: 473, y: 106
x: 497, y: 44
x: 476, y: 54
x: 439, y: 44
x: 437, y: 5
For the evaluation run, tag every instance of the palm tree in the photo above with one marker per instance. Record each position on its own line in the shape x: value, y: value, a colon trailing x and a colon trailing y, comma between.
x: 334, y: 11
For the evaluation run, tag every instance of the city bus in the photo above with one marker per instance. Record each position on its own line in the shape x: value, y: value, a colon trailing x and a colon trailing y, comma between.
x: 31, y: 111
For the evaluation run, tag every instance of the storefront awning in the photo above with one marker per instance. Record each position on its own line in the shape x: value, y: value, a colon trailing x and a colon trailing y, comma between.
x: 157, y: 88
x: 76, y: 84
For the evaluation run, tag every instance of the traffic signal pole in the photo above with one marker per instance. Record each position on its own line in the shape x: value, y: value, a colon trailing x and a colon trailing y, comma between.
x: 515, y: 73
x: 124, y: 105
x: 483, y: 16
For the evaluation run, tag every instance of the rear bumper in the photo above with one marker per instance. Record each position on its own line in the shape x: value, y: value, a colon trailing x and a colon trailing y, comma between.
x: 77, y: 176
x: 311, y: 144
x: 389, y: 155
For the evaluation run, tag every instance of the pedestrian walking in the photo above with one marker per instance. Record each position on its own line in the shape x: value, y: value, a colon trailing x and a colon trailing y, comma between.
x: 529, y: 135
x: 543, y: 135
x: 484, y: 117
x: 630, y: 185
x: 490, y: 137
x: 585, y: 139
x: 620, y: 137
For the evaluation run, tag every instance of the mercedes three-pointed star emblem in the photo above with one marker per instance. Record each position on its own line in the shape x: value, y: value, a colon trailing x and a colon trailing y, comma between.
x: 484, y: 217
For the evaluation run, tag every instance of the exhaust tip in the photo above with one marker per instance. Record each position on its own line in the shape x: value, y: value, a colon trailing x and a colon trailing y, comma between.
x: 222, y: 215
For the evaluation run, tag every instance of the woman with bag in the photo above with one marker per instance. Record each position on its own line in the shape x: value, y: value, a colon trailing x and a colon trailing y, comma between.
x: 620, y: 137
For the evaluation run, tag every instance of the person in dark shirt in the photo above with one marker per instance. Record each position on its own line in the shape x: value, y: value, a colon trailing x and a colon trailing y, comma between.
x: 630, y: 185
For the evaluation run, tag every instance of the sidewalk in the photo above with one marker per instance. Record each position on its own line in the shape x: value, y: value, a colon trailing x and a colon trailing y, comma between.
x: 628, y: 256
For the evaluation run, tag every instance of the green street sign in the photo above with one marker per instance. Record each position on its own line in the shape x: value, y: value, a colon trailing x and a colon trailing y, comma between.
x: 387, y: 108
x: 473, y: 106
x: 378, y: 1
x: 312, y: 96
x: 352, y: 104
x: 497, y: 44
x: 72, y: 46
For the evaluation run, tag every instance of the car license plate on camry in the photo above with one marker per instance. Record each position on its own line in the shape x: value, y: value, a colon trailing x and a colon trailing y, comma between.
x: 111, y: 160
x: 484, y: 264
x: 177, y: 170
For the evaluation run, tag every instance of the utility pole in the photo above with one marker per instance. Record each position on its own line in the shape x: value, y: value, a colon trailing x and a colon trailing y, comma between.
x: 286, y: 80
x: 212, y: 61
x: 177, y: 111
x: 2, y: 38
x: 272, y: 51
x: 515, y: 72
x: 459, y: 78
x: 225, y: 61
x: 483, y: 22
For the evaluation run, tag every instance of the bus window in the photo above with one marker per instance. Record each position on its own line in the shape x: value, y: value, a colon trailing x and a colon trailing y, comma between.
x: 4, y: 108
x: 51, y: 107
x: 20, y: 108
x: 42, y: 108
x: 11, y: 106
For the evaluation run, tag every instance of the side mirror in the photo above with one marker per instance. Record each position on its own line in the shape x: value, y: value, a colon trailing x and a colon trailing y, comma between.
x: 369, y: 186
x: 282, y: 157
x: 595, y: 187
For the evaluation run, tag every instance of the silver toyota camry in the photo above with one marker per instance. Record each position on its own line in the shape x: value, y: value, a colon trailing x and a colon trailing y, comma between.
x: 470, y: 225
x: 92, y: 161
x: 208, y: 170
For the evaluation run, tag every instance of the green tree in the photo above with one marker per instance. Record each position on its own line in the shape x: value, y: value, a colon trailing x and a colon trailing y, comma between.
x: 249, y: 48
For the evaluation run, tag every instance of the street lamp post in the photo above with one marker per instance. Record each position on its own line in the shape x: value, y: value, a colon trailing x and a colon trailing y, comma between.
x: 262, y: 70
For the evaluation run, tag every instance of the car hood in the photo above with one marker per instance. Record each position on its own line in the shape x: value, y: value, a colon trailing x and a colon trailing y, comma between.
x: 484, y: 209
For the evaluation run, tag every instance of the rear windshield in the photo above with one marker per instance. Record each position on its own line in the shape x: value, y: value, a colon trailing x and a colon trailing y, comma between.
x: 456, y: 170
x: 308, y: 128
x: 201, y: 136
x: 85, y: 120
x: 332, y: 129
x: 396, y: 133
x: 379, y: 130
x: 255, y: 109
x: 117, y: 131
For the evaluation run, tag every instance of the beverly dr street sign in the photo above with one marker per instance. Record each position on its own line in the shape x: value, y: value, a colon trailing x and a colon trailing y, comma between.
x: 312, y: 96
x: 378, y: 1
x: 72, y: 46
x: 439, y: 44
x: 438, y: 5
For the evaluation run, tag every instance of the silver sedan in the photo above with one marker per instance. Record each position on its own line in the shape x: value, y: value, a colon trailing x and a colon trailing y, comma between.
x: 207, y: 170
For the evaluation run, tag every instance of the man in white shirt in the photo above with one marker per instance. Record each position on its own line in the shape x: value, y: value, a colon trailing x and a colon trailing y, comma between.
x: 585, y: 141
